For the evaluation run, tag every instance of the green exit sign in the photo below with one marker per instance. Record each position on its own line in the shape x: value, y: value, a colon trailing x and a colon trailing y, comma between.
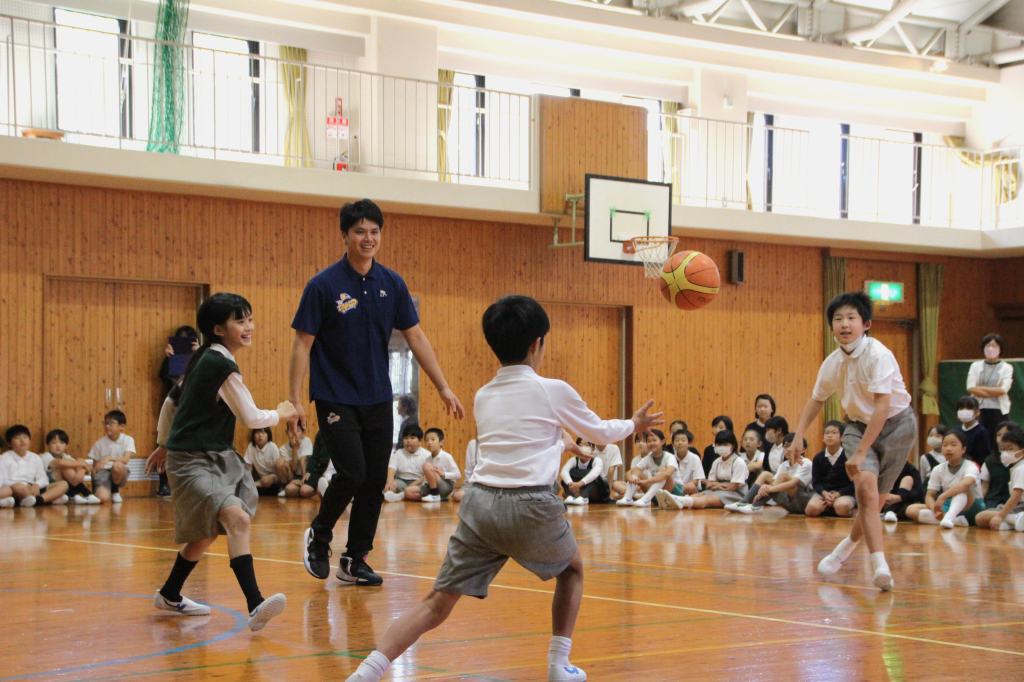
x: 885, y: 292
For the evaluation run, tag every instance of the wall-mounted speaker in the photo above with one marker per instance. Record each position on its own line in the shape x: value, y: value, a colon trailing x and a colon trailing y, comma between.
x: 737, y: 271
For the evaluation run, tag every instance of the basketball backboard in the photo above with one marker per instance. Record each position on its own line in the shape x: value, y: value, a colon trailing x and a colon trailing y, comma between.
x: 619, y: 209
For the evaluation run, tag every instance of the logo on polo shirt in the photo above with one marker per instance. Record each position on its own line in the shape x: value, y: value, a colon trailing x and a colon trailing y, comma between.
x: 383, y: 294
x: 346, y: 303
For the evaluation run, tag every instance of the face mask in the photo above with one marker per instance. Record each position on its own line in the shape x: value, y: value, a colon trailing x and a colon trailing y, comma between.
x: 723, y: 451
x: 935, y: 442
x: 850, y: 347
x: 991, y: 352
x: 966, y: 416
x: 1008, y: 458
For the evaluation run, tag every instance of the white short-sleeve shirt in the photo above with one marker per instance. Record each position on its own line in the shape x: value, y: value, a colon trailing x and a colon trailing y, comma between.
x: 305, y: 449
x: 263, y: 460
x: 28, y: 469
x: 802, y: 470
x: 447, y: 464
x: 690, y: 469
x: 855, y: 378
x: 610, y: 457
x: 105, y: 448
x: 732, y: 470
x: 652, y: 468
x: 943, y: 479
x: 407, y: 466
x: 1016, y: 477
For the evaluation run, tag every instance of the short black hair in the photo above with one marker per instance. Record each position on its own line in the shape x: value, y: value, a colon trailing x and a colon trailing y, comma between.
x: 658, y: 433
x: 756, y: 433
x: 1015, y: 436
x: 858, y: 300
x: 680, y: 421
x: 354, y: 213
x: 116, y: 415
x: 727, y: 437
x: 266, y: 430
x: 777, y: 424
x: 765, y: 396
x: 15, y: 431
x: 60, y: 435
x: 1008, y: 424
x: 682, y: 432
x: 836, y: 423
x: 967, y: 402
x: 724, y: 419
x: 940, y: 429
x: 434, y: 429
x: 990, y: 338
x: 186, y: 331
x: 959, y: 435
x: 790, y: 437
x: 511, y: 325
x: 412, y: 431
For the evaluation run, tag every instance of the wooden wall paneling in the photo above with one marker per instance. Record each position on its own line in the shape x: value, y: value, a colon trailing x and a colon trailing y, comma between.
x: 860, y: 271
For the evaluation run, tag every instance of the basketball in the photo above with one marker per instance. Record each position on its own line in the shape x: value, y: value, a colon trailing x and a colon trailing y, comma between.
x: 690, y: 280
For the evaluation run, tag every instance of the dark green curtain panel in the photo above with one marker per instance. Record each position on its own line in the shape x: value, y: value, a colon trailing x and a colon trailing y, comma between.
x: 953, y: 386
x: 167, y: 112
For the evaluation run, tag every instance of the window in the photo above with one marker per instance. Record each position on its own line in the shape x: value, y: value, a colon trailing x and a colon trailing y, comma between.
x: 468, y: 124
x: 225, y: 93
x: 656, y: 147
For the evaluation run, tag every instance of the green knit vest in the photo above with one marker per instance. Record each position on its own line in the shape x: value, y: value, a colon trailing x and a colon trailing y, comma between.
x: 203, y: 422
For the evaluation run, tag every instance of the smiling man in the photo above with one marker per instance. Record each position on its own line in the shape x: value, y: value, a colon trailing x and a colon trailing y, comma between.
x: 342, y: 329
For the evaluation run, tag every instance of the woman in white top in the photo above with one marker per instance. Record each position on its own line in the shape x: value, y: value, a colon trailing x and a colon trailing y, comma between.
x: 989, y: 381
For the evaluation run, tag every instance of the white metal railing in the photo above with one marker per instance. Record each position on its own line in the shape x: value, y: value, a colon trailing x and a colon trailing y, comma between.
x: 766, y: 168
x: 97, y: 91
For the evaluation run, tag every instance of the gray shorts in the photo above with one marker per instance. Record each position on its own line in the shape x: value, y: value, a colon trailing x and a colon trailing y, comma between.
x: 401, y: 483
x: 203, y: 483
x: 498, y: 524
x: 103, y: 479
x: 444, y: 488
x: 889, y: 452
x: 729, y: 496
x: 795, y: 501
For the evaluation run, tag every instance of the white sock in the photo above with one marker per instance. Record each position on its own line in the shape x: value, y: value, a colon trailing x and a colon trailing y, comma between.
x: 630, y: 492
x: 956, y: 505
x: 558, y: 651
x: 652, y: 491
x: 845, y: 548
x: 372, y: 668
x: 686, y: 501
x: 878, y: 563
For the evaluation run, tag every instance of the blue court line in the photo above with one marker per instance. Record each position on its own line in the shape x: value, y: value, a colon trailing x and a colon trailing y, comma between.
x: 241, y: 622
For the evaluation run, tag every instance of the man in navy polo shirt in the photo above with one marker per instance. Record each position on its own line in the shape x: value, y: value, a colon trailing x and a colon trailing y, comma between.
x: 342, y: 329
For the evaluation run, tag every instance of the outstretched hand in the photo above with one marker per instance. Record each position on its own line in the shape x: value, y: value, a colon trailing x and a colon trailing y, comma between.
x: 452, y: 404
x: 644, y: 422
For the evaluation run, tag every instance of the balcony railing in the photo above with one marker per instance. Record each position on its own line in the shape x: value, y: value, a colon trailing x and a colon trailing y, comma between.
x: 95, y: 88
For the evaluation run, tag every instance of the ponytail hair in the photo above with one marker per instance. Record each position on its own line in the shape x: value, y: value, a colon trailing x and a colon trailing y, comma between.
x: 215, y: 310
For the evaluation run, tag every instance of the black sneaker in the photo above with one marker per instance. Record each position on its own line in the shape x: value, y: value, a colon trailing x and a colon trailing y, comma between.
x: 357, y: 572
x: 317, y: 556
x: 163, y: 491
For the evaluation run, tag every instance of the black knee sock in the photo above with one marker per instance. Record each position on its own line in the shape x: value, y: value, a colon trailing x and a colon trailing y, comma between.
x: 749, y: 497
x: 242, y: 566
x: 80, y: 489
x: 171, y: 591
x: 435, y: 491
x: 40, y: 500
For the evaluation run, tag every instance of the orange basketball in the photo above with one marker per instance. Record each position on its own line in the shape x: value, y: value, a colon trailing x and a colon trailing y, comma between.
x: 690, y: 280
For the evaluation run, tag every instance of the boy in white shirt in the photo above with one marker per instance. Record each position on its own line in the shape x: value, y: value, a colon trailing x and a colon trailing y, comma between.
x: 60, y: 466
x: 611, y: 461
x: 881, y: 426
x: 26, y: 475
x: 790, y: 487
x: 440, y: 472
x: 6, y: 494
x: 110, y: 456
x: 405, y: 470
x: 511, y: 511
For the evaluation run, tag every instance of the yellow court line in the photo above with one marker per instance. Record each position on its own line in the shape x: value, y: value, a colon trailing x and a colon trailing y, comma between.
x: 690, y: 609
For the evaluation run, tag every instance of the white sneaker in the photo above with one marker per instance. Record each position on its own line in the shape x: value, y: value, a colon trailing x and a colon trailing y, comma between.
x: 116, y: 498
x: 830, y: 565
x: 262, y: 614
x: 624, y: 502
x: 570, y: 500
x: 1005, y: 526
x: 576, y: 501
x: 667, y: 500
x: 430, y: 498
x: 282, y: 493
x: 638, y: 503
x: 569, y: 673
x: 733, y: 506
x: 961, y: 521
x: 584, y: 501
x: 63, y: 499
x: 7, y: 503
x: 890, y: 517
x: 92, y: 499
x: 946, y: 522
x: 321, y: 486
x: 78, y: 499
x: 750, y: 509
x: 185, y: 607
x: 394, y: 497
x: 883, y: 581
x: 29, y: 501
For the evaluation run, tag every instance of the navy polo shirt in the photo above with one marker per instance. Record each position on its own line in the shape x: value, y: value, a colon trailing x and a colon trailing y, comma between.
x: 351, y: 317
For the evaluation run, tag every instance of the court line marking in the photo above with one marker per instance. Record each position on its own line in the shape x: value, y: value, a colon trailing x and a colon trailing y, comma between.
x: 690, y: 609
x: 241, y: 623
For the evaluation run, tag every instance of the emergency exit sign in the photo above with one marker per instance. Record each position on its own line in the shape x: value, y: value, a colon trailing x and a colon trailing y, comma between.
x: 885, y: 292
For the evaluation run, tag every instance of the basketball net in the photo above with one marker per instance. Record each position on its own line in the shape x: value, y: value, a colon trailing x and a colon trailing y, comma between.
x: 653, y: 251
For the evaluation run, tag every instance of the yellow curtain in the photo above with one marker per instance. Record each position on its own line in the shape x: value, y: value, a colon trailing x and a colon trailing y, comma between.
x: 671, y: 145
x: 833, y: 285
x: 929, y: 295
x: 1005, y: 169
x: 296, y: 137
x: 444, y: 118
x: 750, y: 144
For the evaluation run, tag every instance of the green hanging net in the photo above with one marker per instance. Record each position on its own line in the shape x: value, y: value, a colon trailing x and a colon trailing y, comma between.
x: 167, y: 113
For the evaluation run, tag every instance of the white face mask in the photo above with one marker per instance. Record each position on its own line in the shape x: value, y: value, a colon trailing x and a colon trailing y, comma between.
x: 1009, y: 458
x: 991, y: 352
x: 935, y: 442
x: 723, y: 451
x: 965, y: 416
x: 850, y: 347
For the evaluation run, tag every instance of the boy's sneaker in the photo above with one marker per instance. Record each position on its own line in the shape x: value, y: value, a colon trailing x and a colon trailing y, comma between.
x: 116, y: 498
x: 890, y: 517
x: 961, y: 521
x: 29, y: 501
x: 7, y: 503
x: 623, y: 502
x: 92, y: 499
x: 317, y: 556
x: 750, y: 509
x: 63, y: 499
x: 78, y: 499
x: 570, y: 500
x: 565, y: 673
x: 163, y: 491
x: 394, y: 497
x: 262, y: 614
x: 357, y: 572
x: 641, y: 503
x: 733, y: 507
x: 430, y: 498
x: 282, y: 493
x: 667, y: 500
x: 185, y: 607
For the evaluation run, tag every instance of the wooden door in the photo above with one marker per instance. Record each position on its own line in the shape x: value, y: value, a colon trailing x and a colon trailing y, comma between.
x: 584, y: 348
x: 145, y: 315
x: 78, y: 365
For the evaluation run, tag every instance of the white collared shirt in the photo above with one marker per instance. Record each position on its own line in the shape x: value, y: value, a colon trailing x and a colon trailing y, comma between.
x: 263, y: 460
x: 652, y: 468
x: 409, y: 466
x: 237, y: 397
x: 610, y: 457
x: 776, y: 456
x: 105, y: 448
x: 832, y: 459
x: 520, y: 416
x: 447, y: 464
x: 801, y: 471
x: 472, y: 451
x: 305, y: 449
x: 596, y: 469
x: 942, y: 478
x: 28, y: 469
x: 855, y: 378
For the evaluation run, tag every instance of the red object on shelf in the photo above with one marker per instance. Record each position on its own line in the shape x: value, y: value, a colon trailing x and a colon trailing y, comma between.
x: 338, y: 111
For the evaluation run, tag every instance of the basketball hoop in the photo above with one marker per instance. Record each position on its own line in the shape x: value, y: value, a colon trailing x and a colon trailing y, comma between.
x: 653, y: 251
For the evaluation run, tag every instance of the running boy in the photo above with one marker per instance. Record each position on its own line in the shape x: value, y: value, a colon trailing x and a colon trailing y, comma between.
x: 881, y: 424
x: 213, y: 491
x: 510, y: 511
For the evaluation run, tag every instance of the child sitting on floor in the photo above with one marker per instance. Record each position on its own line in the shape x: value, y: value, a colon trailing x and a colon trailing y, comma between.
x: 405, y: 470
x: 1008, y: 516
x: 619, y: 487
x: 440, y: 472
x: 581, y: 477
x: 727, y: 482
x: 652, y: 473
x: 26, y: 474
x: 110, y: 456
x: 297, y: 451
x: 908, y: 490
x: 954, y: 495
x: 995, y: 478
x: 60, y: 466
x: 270, y: 471
x: 790, y: 486
x: 834, y: 492
x: 932, y: 459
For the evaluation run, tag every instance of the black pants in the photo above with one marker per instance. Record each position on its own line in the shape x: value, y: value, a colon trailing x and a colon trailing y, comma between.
x: 991, y: 418
x: 358, y: 438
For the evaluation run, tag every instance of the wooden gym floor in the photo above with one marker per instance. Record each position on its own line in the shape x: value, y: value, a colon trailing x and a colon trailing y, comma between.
x: 668, y: 595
